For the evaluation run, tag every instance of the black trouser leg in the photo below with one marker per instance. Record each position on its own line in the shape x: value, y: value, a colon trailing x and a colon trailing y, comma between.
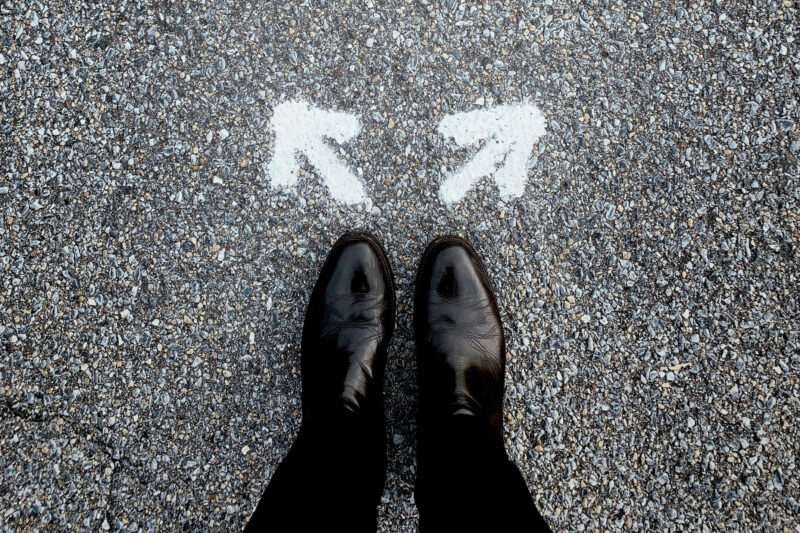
x: 331, y: 480
x: 467, y: 483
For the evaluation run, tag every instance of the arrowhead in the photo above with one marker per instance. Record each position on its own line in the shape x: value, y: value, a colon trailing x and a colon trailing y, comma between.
x: 510, y: 132
x: 300, y: 128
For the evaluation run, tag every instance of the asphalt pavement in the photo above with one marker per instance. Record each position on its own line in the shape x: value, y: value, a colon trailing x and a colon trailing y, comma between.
x: 154, y: 267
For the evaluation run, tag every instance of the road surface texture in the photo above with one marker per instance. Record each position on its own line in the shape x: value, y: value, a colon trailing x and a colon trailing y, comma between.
x: 153, y: 281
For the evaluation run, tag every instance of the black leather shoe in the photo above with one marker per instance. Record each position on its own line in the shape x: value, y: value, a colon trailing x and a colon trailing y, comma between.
x: 459, y: 338
x: 348, y: 324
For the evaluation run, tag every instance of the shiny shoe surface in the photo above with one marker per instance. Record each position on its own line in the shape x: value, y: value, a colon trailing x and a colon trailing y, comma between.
x: 349, y: 322
x: 459, y: 337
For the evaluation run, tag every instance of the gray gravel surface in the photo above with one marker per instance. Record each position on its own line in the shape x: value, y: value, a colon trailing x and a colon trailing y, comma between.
x: 152, y: 283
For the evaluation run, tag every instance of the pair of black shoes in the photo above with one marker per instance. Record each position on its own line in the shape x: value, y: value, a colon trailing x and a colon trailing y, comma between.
x: 332, y: 478
x: 459, y: 335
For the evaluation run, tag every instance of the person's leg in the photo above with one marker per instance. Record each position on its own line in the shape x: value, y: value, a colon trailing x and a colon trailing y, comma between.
x: 333, y: 476
x: 331, y: 479
x: 465, y: 481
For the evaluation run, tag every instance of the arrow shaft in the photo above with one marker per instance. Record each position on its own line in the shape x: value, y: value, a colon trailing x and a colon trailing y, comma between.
x: 511, y: 176
x: 456, y: 185
x: 341, y: 181
x: 283, y: 166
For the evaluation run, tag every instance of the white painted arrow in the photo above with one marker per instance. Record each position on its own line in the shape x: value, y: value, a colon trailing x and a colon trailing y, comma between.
x: 301, y: 128
x: 510, y: 132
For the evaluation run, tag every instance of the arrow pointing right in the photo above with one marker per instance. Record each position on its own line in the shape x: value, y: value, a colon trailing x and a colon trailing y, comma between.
x: 510, y: 132
x: 300, y: 128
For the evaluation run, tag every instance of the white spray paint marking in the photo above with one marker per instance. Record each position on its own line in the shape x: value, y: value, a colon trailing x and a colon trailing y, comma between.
x: 300, y: 128
x: 510, y: 132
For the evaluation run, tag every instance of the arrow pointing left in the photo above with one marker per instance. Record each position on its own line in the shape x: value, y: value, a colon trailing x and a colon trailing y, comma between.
x: 302, y: 129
